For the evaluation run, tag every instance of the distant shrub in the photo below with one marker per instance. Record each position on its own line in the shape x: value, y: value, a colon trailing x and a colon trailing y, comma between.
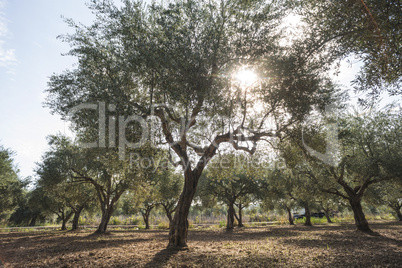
x: 133, y: 220
x: 163, y: 225
x: 190, y: 224
x: 222, y: 223
x: 259, y: 218
x: 114, y: 221
x: 82, y: 221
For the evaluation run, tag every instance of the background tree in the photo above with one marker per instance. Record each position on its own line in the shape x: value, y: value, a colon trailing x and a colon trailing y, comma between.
x: 230, y: 178
x: 11, y: 187
x: 169, y: 188
x: 387, y: 193
x: 278, y: 192
x: 146, y: 200
x: 363, y: 141
x: 64, y: 198
x: 109, y: 176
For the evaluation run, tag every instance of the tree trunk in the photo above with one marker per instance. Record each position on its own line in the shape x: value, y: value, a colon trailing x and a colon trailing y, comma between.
x: 240, y: 219
x: 399, y: 214
x: 360, y: 219
x: 308, y: 215
x: 397, y: 210
x: 145, y: 216
x: 230, y: 217
x: 168, y: 213
x: 326, y: 212
x: 64, y: 220
x: 106, y: 214
x: 290, y: 216
x: 179, y: 227
x: 76, y: 218
x: 33, y: 220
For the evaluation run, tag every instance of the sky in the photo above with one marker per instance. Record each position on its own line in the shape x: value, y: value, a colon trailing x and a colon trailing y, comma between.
x: 29, y: 54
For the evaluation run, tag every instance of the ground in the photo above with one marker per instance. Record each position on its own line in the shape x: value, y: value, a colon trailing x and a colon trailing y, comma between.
x: 269, y: 246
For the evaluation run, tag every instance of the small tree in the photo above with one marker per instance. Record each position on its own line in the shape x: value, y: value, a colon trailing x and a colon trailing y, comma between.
x: 232, y: 179
x: 387, y: 193
x: 368, y: 154
x: 63, y: 197
x: 278, y: 192
x: 169, y: 188
x: 11, y: 187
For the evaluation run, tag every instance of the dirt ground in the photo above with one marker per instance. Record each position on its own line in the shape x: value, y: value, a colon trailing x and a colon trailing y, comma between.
x: 271, y: 246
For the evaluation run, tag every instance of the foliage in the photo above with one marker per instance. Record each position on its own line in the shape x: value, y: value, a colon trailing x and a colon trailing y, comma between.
x: 11, y: 186
x: 367, y: 29
x: 368, y: 153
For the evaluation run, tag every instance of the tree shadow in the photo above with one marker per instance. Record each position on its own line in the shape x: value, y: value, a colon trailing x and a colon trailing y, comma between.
x: 163, y: 256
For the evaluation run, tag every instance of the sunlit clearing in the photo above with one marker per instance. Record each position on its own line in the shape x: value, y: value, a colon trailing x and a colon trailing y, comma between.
x: 246, y: 77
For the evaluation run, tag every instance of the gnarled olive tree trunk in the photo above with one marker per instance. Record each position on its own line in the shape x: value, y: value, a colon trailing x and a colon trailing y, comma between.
x: 106, y: 214
x: 308, y: 214
x: 230, y: 216
x: 64, y: 219
x: 169, y: 209
x: 396, y: 206
x: 326, y: 212
x: 33, y: 220
x: 145, y: 215
x: 360, y: 218
x: 76, y: 218
x: 179, y: 227
x: 240, y: 217
x: 290, y: 216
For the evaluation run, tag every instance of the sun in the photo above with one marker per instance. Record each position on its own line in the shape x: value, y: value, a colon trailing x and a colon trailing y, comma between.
x: 246, y: 77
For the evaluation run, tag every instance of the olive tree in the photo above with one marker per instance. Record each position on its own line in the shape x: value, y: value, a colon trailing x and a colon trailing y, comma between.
x: 11, y: 186
x: 368, y: 152
x: 174, y: 64
x: 232, y: 180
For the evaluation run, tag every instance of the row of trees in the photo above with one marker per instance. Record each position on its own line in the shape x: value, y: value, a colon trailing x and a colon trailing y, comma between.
x: 368, y: 170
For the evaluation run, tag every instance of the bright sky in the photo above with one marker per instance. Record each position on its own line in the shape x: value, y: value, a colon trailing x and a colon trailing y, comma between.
x: 29, y: 54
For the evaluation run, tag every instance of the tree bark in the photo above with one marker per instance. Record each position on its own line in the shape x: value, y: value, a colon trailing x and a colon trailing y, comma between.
x: 33, y: 220
x: 107, y: 212
x: 397, y: 209
x: 360, y: 219
x: 179, y: 227
x: 308, y: 215
x: 230, y: 217
x: 399, y: 214
x: 169, y: 213
x: 145, y: 216
x: 290, y: 216
x: 240, y: 219
x: 326, y: 212
x: 64, y: 220
x: 76, y: 218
